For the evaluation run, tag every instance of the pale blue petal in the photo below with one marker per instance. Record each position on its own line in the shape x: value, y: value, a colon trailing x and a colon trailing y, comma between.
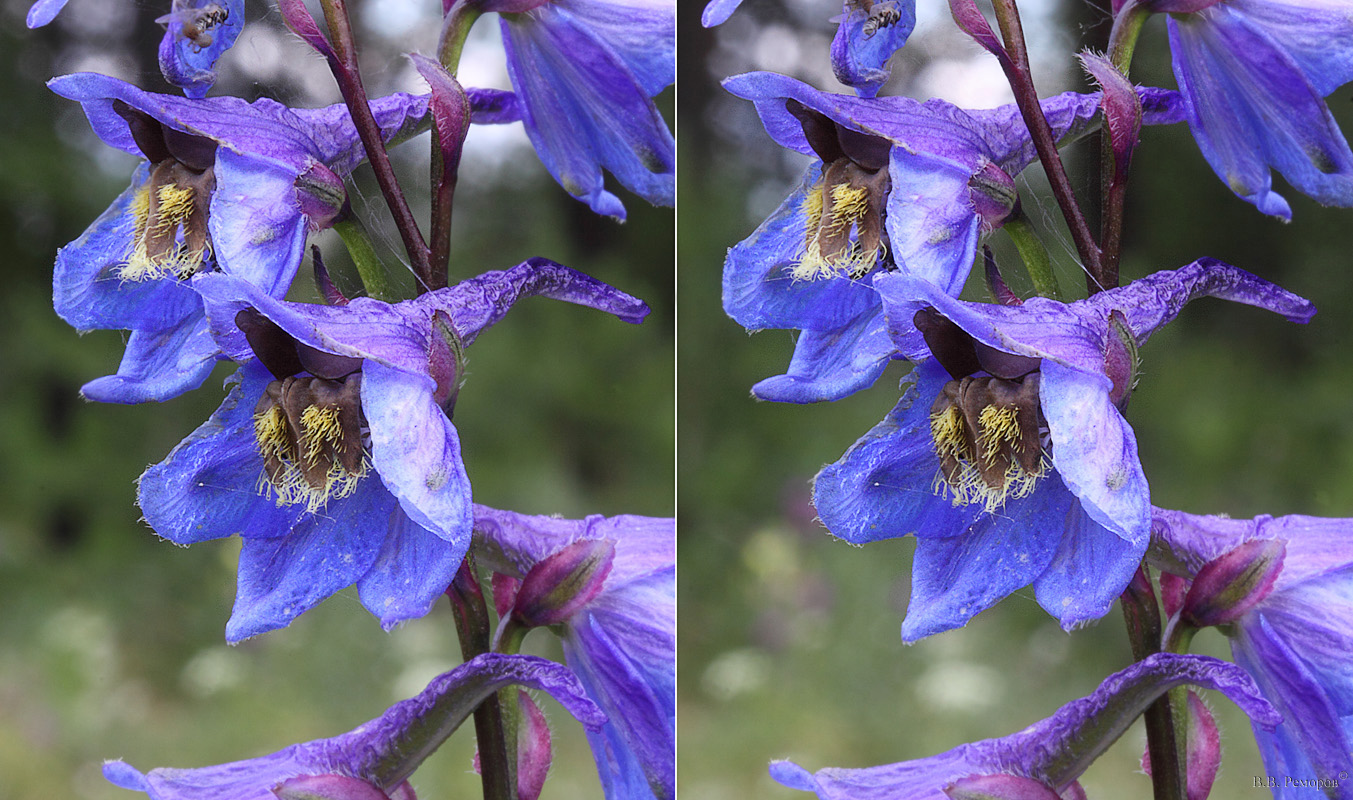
x: 1091, y: 569
x: 833, y: 364
x: 411, y: 573
x: 159, y: 365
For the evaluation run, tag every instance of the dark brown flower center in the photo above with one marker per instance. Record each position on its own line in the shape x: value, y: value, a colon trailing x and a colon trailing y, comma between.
x: 309, y: 432
x: 986, y: 432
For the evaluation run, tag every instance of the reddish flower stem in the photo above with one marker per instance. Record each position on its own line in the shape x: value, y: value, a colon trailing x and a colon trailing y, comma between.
x: 1142, y: 615
x: 473, y: 628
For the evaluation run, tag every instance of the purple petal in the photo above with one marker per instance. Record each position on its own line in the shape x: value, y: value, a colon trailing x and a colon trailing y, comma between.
x: 830, y: 365
x: 716, y: 12
x: 44, y: 11
x: 410, y: 574
x: 1092, y: 567
x: 159, y: 365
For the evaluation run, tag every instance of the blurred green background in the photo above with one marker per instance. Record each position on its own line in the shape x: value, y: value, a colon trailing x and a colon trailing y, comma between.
x: 111, y: 641
x: 789, y: 639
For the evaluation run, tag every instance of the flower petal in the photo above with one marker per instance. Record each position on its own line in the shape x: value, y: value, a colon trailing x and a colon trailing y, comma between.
x: 159, y: 365
x: 954, y: 579
x: 207, y: 487
x: 859, y: 55
x: 931, y: 221
x: 411, y: 572
x: 257, y: 229
x: 1091, y: 569
x: 881, y: 487
x: 716, y: 12
x: 832, y: 364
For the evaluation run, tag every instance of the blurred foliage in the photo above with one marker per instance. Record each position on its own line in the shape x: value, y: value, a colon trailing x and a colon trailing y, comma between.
x: 111, y: 641
x: 789, y: 638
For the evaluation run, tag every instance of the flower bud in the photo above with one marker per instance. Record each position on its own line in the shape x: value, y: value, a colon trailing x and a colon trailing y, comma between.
x: 1121, y: 360
x: 1203, y: 750
x: 1173, y: 589
x: 321, y: 195
x: 1227, y: 587
x: 999, y: 786
x: 993, y: 195
x: 559, y: 585
x: 504, y: 593
x: 334, y: 787
x: 445, y: 358
x: 534, y: 751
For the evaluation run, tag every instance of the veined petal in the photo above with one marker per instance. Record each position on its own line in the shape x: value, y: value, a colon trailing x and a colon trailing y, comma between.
x: 411, y: 572
x: 159, y: 365
x: 882, y: 487
x: 90, y: 294
x: 1317, y: 34
x: 257, y: 229
x: 954, y: 579
x: 1252, y: 108
x: 207, y: 487
x: 1095, y: 451
x: 829, y: 365
x: 931, y: 221
x: 585, y: 111
x: 716, y: 12
x: 282, y: 577
x: 759, y: 290
x: 641, y: 32
x: 417, y: 452
x: 398, y: 115
x: 1092, y: 567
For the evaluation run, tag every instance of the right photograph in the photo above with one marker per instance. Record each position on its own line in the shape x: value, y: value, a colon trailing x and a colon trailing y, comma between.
x: 1014, y: 457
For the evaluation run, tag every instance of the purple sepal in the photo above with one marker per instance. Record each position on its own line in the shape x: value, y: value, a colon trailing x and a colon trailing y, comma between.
x: 1230, y: 586
x: 865, y: 42
x: 1054, y: 751
x: 562, y: 584
x: 493, y: 107
x: 298, y: 18
x: 382, y: 752
x: 999, y: 786
x: 196, y: 33
x: 973, y: 22
x: 534, y: 751
x: 1122, y: 109
x: 44, y: 11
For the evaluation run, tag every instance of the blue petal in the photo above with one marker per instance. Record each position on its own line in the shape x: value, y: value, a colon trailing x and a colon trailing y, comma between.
x: 416, y: 450
x: 44, y: 11
x: 833, y: 364
x: 860, y: 60
x: 207, y: 487
x: 759, y: 292
x: 1091, y: 569
x: 931, y: 222
x: 257, y: 228
x: 883, y: 487
x: 411, y: 572
x: 642, y: 34
x: 716, y: 12
x: 188, y: 63
x: 1318, y: 36
x: 1095, y: 451
x: 584, y: 110
x: 89, y: 294
x: 282, y: 577
x: 159, y: 365
x: 1251, y: 108
x: 954, y: 579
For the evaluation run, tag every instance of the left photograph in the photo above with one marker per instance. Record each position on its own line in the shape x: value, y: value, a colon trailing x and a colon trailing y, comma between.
x: 341, y: 359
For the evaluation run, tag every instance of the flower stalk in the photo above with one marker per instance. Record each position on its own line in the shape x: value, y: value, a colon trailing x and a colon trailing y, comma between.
x: 1142, y: 616
x: 369, y: 268
x: 473, y: 628
x: 1020, y: 76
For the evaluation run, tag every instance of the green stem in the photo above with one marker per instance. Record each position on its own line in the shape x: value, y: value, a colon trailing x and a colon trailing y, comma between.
x: 1142, y: 615
x: 1127, y: 27
x: 1034, y: 255
x: 496, y: 771
x: 455, y: 29
x: 363, y: 253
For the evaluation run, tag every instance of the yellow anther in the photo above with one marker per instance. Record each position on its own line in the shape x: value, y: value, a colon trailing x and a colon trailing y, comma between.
x: 848, y: 208
x: 270, y: 431
x: 320, y: 427
x: 946, y: 430
x: 284, y: 476
x: 1000, y: 427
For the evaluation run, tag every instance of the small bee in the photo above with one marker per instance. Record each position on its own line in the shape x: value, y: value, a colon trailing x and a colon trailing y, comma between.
x: 196, y: 24
x: 877, y: 15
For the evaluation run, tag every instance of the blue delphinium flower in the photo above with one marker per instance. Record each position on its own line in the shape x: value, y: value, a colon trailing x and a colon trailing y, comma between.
x: 225, y: 187
x: 1255, y: 74
x: 1293, y: 634
x: 620, y: 640
x: 325, y: 397
x: 1008, y: 455
x: 196, y: 33
x: 585, y: 74
x: 1046, y: 759
x: 374, y: 760
x: 898, y: 184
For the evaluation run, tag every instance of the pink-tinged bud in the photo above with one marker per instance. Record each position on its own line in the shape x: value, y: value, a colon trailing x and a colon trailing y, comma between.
x: 971, y: 21
x: 445, y: 358
x: 1121, y: 361
x: 1172, y: 592
x: 534, y: 752
x: 559, y: 585
x: 403, y: 792
x: 321, y: 195
x: 993, y: 196
x: 328, y: 787
x: 533, y: 748
x: 999, y: 787
x: 1122, y: 108
x: 1203, y: 750
x: 1000, y: 290
x: 1227, y: 587
x: 1074, y: 791
x: 298, y: 18
x: 332, y: 294
x: 505, y: 588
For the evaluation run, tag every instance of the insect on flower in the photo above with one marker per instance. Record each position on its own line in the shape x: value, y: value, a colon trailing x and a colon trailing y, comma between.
x: 196, y: 24
x: 878, y: 15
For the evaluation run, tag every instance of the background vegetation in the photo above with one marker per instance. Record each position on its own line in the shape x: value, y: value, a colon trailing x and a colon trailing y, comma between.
x: 111, y: 641
x: 789, y: 639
